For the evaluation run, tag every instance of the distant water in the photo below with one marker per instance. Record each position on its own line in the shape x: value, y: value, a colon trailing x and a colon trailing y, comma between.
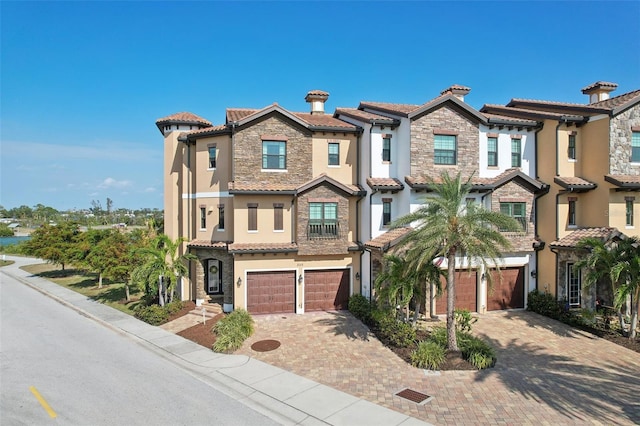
x: 7, y: 241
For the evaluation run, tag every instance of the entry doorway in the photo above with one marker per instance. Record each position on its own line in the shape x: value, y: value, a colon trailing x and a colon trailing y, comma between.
x: 214, y: 276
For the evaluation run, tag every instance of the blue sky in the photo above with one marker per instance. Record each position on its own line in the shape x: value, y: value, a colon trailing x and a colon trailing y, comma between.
x: 82, y: 83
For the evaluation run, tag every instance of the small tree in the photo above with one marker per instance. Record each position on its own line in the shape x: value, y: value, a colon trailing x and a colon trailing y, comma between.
x: 56, y: 244
x: 393, y: 283
x: 162, y: 267
x: 626, y: 272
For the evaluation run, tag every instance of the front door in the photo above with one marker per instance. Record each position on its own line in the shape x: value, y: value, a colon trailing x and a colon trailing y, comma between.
x: 214, y: 274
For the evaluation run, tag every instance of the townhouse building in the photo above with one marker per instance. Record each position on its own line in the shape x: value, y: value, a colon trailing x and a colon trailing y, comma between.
x: 268, y: 202
x: 405, y: 147
x: 589, y: 154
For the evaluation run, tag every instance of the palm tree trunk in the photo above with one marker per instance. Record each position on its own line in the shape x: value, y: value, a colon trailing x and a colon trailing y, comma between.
x: 99, y: 279
x: 452, y: 342
x: 416, y: 314
x: 126, y: 292
x: 160, y: 295
x: 635, y: 306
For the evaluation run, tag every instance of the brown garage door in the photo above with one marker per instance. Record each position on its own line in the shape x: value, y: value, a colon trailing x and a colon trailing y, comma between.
x: 466, y: 293
x: 326, y: 290
x: 506, y: 292
x: 271, y: 292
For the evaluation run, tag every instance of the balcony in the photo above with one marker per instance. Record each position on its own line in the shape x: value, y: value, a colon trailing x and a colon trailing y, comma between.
x: 323, y: 230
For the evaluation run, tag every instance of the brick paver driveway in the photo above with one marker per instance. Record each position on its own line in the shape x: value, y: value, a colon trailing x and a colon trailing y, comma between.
x: 547, y: 373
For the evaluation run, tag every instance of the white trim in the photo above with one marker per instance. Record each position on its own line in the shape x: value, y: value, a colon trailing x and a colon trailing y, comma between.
x: 198, y: 195
x: 278, y: 230
x: 274, y: 170
x: 211, y: 169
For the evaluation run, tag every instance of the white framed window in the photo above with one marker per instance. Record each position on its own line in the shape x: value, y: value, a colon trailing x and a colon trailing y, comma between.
x: 445, y: 150
x: 274, y: 155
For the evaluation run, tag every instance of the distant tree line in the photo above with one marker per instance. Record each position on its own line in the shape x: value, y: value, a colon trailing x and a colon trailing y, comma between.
x: 96, y: 215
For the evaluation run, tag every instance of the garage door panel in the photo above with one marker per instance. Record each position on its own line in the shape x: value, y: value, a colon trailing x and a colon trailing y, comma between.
x: 466, y: 293
x: 271, y: 292
x: 326, y: 290
x: 507, y: 289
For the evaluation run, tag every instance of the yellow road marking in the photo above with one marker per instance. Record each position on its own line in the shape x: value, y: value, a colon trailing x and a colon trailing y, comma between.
x: 44, y: 404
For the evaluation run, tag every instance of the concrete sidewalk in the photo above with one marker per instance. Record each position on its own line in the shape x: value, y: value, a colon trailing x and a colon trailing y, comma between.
x: 283, y: 396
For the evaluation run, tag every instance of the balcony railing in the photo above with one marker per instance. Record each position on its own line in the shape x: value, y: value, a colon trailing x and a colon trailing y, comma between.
x: 323, y: 230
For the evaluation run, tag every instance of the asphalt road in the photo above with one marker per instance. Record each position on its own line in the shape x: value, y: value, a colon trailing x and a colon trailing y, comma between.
x: 59, y: 367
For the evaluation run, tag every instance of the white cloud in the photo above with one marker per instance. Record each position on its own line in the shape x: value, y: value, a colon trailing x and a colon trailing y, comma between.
x: 150, y: 189
x: 112, y: 183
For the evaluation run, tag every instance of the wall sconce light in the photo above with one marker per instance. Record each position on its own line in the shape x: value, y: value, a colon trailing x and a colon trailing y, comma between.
x: 483, y: 277
x: 534, y: 274
x: 239, y: 283
x: 210, y: 209
x: 300, y: 279
x: 357, y: 276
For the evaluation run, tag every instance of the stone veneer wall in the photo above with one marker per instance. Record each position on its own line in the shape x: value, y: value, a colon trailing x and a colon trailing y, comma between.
x: 248, y: 152
x: 422, y: 143
x: 620, y: 142
x: 516, y: 193
x: 227, y: 272
x: 588, y: 299
x: 308, y: 246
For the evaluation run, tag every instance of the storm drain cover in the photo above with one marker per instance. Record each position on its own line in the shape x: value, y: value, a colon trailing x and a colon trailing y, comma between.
x: 265, y: 345
x: 414, y: 396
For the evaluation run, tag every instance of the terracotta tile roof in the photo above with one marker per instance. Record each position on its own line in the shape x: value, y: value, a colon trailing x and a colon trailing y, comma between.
x: 528, y: 113
x: 324, y: 120
x: 388, y: 239
x: 237, y: 114
x: 619, y: 100
x: 599, y: 84
x: 364, y: 115
x: 572, y: 239
x: 210, y: 129
x: 208, y: 244
x: 260, y: 187
x: 389, y: 184
x: 402, y: 109
x: 456, y: 88
x: 318, y: 93
x: 574, y: 182
x: 263, y: 247
x: 183, y: 117
x: 506, y: 119
x: 624, y: 181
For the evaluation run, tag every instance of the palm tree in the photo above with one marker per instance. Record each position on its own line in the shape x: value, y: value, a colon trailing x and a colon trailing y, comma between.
x: 597, y: 265
x: 446, y: 225
x: 626, y: 272
x: 423, y: 269
x: 393, y: 284
x: 162, y: 268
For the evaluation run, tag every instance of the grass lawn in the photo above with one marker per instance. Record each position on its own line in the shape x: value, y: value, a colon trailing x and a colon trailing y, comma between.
x: 111, y: 294
x: 6, y: 262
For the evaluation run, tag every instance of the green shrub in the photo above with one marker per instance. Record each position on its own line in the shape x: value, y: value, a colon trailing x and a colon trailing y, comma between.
x: 464, y: 320
x: 360, y: 307
x: 152, y: 314
x: 429, y: 354
x: 232, y: 330
x: 439, y: 336
x: 477, y: 352
x: 174, y: 306
x: 545, y: 304
x: 394, y: 332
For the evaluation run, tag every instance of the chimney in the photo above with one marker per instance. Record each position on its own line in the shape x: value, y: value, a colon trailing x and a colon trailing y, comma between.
x: 599, y: 91
x: 456, y: 90
x: 317, y: 98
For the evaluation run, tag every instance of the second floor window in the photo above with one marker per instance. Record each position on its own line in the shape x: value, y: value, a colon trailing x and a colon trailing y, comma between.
x: 203, y: 218
x: 516, y: 153
x: 445, y: 150
x: 334, y: 154
x: 492, y: 152
x: 212, y: 157
x: 629, y: 211
x: 386, y: 212
x: 252, y: 211
x: 571, y: 220
x: 278, y: 223
x: 386, y: 148
x: 323, y: 220
x: 221, y: 217
x: 274, y: 155
x: 518, y: 211
x: 635, y: 147
x: 571, y: 152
